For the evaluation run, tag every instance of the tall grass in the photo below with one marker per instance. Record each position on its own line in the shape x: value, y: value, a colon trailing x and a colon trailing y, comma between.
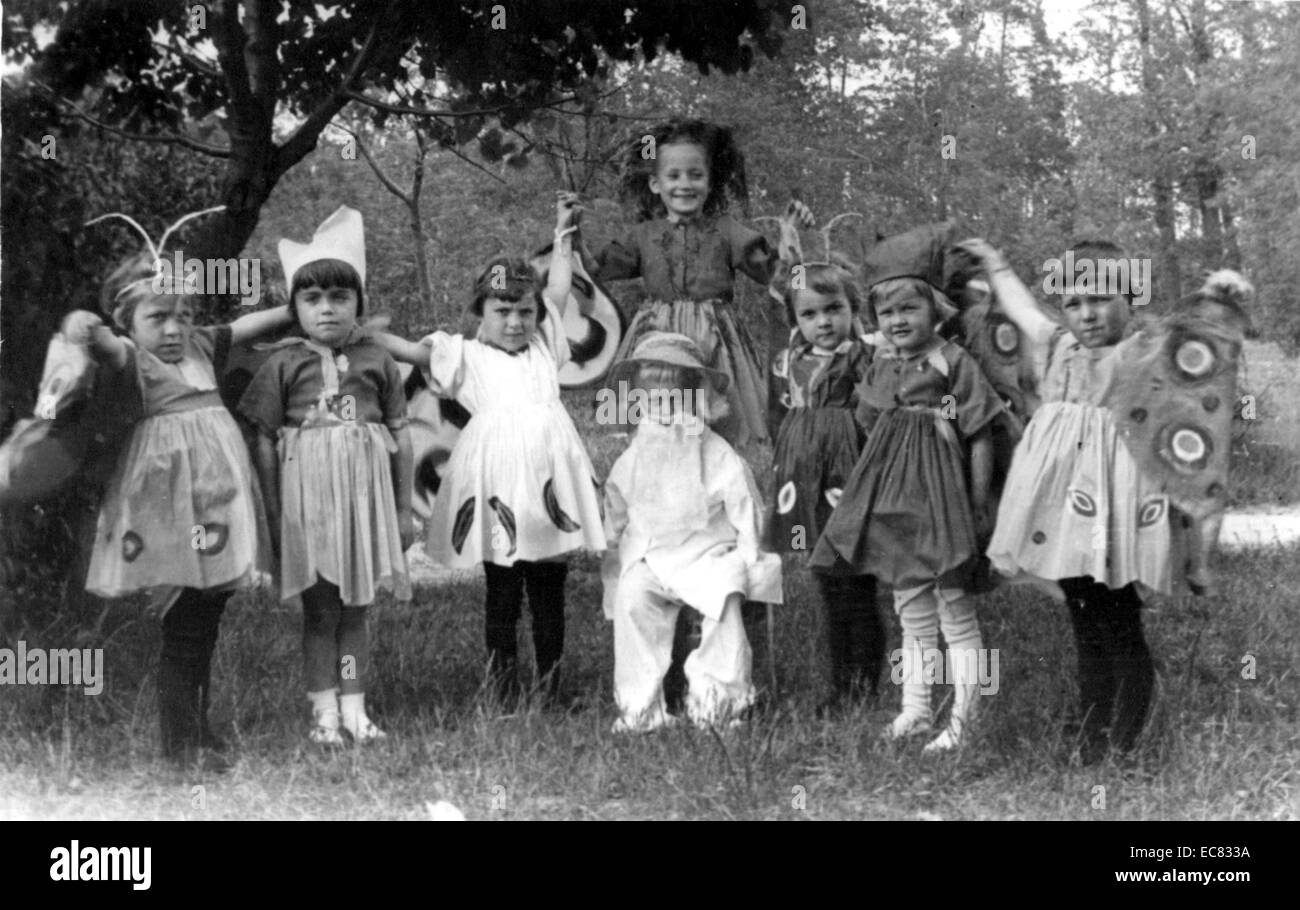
x: 1224, y: 746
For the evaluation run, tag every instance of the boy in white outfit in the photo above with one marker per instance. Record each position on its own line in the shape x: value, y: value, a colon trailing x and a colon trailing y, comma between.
x: 682, y: 524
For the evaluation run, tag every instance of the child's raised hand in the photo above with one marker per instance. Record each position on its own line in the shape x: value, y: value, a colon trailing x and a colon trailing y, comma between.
x: 984, y: 252
x: 80, y: 326
x: 798, y: 215
x: 568, y: 212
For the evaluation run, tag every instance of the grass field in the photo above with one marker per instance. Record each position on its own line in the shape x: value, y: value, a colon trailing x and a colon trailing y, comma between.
x: 1224, y: 745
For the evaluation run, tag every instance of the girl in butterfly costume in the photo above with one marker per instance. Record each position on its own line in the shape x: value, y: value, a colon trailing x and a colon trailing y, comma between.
x: 182, y: 516
x: 817, y: 445
x: 1128, y: 426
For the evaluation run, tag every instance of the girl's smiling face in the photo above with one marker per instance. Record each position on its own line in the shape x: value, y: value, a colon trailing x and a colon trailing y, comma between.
x: 824, y: 320
x: 161, y: 326
x: 327, y: 315
x: 907, y: 320
x: 1096, y: 321
x: 681, y: 179
x: 509, y: 324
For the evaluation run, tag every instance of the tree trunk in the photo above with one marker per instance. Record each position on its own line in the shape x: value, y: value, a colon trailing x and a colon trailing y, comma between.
x: 421, y: 259
x: 1169, y: 282
x: 417, y: 225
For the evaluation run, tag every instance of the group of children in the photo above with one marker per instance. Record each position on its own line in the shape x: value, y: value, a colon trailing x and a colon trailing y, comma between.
x: 882, y: 466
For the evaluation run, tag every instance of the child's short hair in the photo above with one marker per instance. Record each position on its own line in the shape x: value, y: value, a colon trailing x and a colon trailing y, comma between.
x: 129, y: 285
x: 509, y: 279
x: 942, y: 310
x: 828, y: 278
x: 726, y: 166
x: 328, y: 273
x: 1100, y: 248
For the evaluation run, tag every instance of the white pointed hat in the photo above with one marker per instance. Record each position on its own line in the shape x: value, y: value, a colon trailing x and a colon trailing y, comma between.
x: 340, y: 236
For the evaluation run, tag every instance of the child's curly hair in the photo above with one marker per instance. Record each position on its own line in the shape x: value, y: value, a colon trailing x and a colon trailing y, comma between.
x: 726, y: 166
x: 836, y: 276
x: 510, y: 279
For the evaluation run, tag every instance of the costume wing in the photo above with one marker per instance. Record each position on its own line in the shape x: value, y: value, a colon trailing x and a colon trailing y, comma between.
x: 435, y: 425
x: 82, y: 419
x: 593, y: 323
x: 995, y: 342
x: 1172, y: 399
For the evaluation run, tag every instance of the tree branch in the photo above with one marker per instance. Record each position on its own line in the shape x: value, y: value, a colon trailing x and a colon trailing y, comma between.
x: 162, y: 138
x: 196, y: 63
x: 426, y: 112
x: 229, y: 39
x: 374, y: 165
x: 303, y: 139
x: 459, y: 154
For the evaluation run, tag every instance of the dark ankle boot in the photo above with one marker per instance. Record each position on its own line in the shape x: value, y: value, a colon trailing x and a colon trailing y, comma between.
x: 1133, y: 669
x: 1088, y: 608
x: 505, y: 595
x: 207, y: 738
x: 866, y: 636
x: 544, y: 582
x: 178, y: 707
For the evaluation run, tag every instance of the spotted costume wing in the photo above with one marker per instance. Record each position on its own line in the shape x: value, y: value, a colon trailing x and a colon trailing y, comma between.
x: 1172, y: 399
x: 995, y: 342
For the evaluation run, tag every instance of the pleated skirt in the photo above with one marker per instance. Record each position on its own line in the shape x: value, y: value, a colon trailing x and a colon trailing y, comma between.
x: 338, y: 515
x: 905, y: 514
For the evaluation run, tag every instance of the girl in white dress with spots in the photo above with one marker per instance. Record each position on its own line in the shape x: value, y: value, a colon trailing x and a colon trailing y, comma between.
x: 519, y: 494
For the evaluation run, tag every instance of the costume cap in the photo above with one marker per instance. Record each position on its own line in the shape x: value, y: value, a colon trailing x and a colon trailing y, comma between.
x: 340, y: 236
x: 672, y: 349
x: 920, y: 253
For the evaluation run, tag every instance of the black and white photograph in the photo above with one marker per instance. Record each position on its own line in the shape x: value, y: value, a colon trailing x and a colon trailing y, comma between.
x: 859, y: 410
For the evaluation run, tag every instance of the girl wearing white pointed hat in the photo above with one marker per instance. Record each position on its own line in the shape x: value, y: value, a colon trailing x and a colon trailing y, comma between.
x: 182, y: 515
x: 334, y: 455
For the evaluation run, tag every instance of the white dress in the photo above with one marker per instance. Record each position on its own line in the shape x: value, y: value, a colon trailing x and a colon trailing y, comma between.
x: 519, y: 484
